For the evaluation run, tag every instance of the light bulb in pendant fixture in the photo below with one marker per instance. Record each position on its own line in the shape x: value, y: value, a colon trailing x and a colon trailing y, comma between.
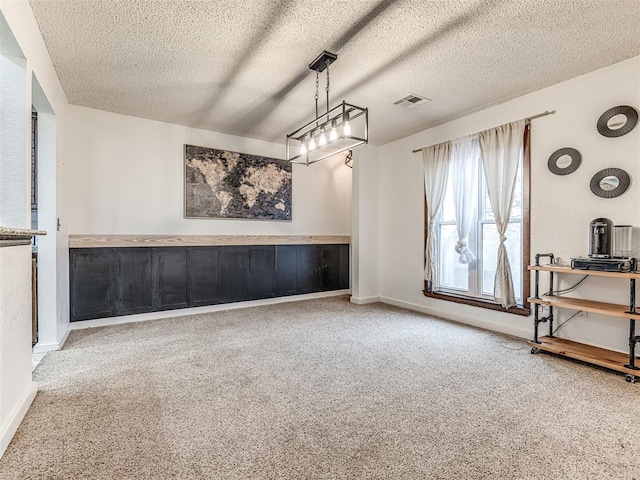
x: 303, y: 145
x: 323, y: 137
x: 346, y: 125
x: 312, y: 142
x: 333, y: 134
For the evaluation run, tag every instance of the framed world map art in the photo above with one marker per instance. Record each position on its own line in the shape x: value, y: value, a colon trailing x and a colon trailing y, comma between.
x: 224, y: 184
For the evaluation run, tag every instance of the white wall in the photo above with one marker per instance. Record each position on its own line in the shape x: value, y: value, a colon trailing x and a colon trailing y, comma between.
x: 16, y: 388
x: 365, y: 237
x: 13, y: 169
x: 561, y: 206
x: 127, y: 177
x: 21, y: 21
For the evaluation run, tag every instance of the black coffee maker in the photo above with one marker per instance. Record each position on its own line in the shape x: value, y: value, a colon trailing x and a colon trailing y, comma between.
x: 600, y: 238
x: 601, y: 250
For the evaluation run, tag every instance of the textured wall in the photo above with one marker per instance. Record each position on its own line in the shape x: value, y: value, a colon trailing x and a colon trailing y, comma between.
x: 16, y: 388
x: 20, y: 20
x: 15, y: 271
x: 13, y: 142
x: 127, y: 176
x: 562, y: 207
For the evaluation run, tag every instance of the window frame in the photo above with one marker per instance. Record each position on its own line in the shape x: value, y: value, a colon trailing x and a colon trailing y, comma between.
x: 525, y: 308
x: 34, y: 161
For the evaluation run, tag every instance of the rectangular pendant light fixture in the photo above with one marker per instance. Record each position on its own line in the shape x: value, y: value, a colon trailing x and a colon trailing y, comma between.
x: 341, y: 128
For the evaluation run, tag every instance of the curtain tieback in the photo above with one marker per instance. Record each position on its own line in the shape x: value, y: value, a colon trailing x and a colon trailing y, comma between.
x: 461, y: 246
x: 503, y: 238
x: 466, y: 255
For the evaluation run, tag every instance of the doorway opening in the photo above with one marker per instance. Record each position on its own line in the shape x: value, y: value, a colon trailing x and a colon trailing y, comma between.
x: 44, y: 217
x: 34, y: 226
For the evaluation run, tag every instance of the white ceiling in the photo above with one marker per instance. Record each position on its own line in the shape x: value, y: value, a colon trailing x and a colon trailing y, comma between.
x: 240, y: 67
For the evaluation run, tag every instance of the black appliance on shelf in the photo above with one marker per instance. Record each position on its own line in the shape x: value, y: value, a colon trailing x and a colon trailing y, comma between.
x: 603, y: 264
x: 600, y: 238
x: 601, y: 251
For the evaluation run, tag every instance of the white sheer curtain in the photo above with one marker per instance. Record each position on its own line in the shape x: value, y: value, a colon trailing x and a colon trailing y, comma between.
x: 436, y: 167
x: 501, y: 148
x: 464, y: 179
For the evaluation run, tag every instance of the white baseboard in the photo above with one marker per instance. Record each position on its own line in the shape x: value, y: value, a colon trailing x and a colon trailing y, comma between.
x: 53, y: 346
x: 143, y: 317
x: 364, y: 300
x: 475, y: 320
x: 8, y: 430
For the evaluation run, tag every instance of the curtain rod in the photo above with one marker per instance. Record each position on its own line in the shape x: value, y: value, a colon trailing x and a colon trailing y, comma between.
x: 527, y: 120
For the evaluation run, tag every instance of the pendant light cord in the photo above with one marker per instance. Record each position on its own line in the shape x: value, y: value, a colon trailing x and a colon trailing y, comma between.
x: 317, y: 96
x: 327, y: 88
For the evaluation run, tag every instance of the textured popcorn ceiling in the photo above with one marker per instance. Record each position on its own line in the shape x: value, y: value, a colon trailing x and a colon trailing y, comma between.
x: 240, y: 66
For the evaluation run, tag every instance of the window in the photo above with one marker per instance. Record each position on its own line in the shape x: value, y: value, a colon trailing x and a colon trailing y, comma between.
x: 473, y: 282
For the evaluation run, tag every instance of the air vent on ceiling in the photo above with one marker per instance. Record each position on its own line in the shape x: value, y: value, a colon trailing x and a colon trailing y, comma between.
x: 412, y: 101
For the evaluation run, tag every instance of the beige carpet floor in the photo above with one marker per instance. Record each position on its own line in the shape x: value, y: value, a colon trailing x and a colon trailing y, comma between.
x: 320, y: 389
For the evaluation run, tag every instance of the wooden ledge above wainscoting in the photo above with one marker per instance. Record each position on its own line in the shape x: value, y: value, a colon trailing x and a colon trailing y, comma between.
x: 102, y: 241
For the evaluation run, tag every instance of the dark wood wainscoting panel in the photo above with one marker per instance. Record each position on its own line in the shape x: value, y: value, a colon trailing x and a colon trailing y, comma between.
x: 203, y: 276
x: 344, y: 267
x: 328, y: 267
x: 306, y: 268
x: 234, y: 274
x: 90, y: 279
x: 170, y: 278
x: 133, y: 285
x: 106, y: 282
x: 262, y: 268
x: 286, y: 269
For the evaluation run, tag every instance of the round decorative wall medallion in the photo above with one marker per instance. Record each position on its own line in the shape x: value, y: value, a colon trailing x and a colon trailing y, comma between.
x: 617, y: 121
x: 564, y: 161
x: 610, y: 183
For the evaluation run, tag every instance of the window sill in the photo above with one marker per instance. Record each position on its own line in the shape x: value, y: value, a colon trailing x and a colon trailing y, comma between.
x: 524, y: 311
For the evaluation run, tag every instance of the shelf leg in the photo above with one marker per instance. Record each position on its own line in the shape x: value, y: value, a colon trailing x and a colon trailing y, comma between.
x: 550, y: 317
x: 536, y: 307
x: 536, y: 322
x: 632, y: 297
x: 632, y: 345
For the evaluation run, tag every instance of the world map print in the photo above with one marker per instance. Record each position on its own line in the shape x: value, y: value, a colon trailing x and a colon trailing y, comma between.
x: 224, y: 184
